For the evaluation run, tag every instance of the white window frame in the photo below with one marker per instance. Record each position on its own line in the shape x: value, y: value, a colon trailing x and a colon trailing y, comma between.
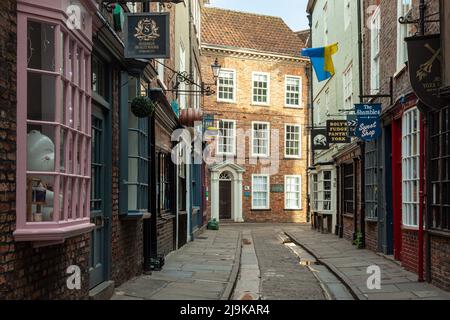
x: 410, y: 206
x: 321, y: 191
x: 299, y: 207
x: 375, y: 32
x: 348, y: 86
x: 300, y: 97
x: 233, y: 71
x: 347, y: 13
x: 257, y: 73
x: 315, y: 192
x: 233, y: 138
x: 403, y: 31
x: 261, y: 155
x: 299, y: 155
x: 267, y: 192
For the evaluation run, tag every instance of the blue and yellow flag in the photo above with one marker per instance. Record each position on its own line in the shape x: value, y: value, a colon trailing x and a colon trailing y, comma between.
x: 322, y: 61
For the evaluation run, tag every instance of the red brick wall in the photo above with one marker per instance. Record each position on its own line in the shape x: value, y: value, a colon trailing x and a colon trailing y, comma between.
x: 372, y: 235
x: 348, y: 228
x: 165, y: 235
x: 244, y: 113
x: 410, y: 250
x: 440, y: 262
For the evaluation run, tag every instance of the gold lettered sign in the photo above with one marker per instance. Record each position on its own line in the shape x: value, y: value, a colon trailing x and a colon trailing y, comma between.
x: 338, y: 131
x: 425, y: 61
x: 147, y: 35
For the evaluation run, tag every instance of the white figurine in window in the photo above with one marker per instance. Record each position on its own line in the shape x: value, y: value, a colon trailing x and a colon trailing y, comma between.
x: 41, y: 158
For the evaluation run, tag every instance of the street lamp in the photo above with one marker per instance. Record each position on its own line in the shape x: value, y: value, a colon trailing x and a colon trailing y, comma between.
x: 216, y: 69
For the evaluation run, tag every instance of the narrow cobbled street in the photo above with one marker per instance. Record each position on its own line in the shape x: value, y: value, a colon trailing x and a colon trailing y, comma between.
x: 263, y: 262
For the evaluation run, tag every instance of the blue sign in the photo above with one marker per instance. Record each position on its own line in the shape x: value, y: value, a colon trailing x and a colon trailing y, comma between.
x: 369, y: 124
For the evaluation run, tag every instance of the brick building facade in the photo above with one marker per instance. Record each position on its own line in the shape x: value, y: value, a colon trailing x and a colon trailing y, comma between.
x: 110, y: 235
x: 261, y: 96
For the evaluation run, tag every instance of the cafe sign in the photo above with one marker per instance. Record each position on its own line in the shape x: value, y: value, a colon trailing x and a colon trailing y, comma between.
x: 147, y: 35
x: 425, y: 61
x: 338, y: 131
x: 369, y: 124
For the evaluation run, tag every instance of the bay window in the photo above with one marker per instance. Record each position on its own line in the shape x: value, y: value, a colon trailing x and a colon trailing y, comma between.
x: 53, y: 129
x: 411, y: 167
x: 323, y: 191
x: 134, y: 151
x: 260, y: 192
x: 315, y: 192
x: 260, y: 139
x: 292, y: 193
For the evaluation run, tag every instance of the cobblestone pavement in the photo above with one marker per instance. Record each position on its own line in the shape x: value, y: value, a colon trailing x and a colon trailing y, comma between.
x: 282, y: 277
x: 351, y: 266
x: 201, y: 270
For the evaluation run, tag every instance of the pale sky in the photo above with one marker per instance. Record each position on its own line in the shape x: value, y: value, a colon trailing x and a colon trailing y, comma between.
x: 293, y: 12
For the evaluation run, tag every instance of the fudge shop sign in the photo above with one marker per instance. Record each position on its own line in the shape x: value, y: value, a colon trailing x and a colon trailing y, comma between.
x: 337, y: 131
x: 424, y: 62
x: 369, y: 125
x: 147, y: 35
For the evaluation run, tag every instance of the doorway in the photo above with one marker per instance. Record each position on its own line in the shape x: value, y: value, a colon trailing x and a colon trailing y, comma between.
x: 100, y: 200
x: 225, y: 198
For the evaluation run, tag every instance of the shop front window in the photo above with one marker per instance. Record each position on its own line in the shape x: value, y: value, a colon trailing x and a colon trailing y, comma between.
x: 371, y: 180
x: 53, y: 131
x: 440, y: 170
x: 135, y: 156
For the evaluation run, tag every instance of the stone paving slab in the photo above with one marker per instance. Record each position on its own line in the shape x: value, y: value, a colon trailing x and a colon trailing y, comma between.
x: 350, y: 264
x: 201, y: 270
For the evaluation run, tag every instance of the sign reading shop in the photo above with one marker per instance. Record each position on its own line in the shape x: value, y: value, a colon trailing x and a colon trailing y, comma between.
x: 147, y: 35
x: 369, y: 125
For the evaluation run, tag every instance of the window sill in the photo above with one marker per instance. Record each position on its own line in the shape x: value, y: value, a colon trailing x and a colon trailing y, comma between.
x: 260, y: 104
x: 227, y: 101
x: 400, y: 72
x: 292, y: 158
x: 260, y: 157
x: 293, y: 107
x: 53, y: 233
x: 135, y: 215
x: 348, y: 215
x: 410, y: 228
x: 371, y: 220
x: 261, y: 210
x: 290, y: 210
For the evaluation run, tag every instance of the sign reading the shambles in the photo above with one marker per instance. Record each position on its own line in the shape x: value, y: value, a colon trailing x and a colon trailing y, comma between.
x: 338, y: 131
x: 424, y: 61
x: 147, y: 35
x: 369, y: 125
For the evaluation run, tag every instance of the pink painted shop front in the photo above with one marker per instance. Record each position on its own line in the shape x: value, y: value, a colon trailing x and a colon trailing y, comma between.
x: 53, y: 120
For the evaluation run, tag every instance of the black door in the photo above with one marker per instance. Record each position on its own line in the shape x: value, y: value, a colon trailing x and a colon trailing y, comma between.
x: 225, y: 200
x: 99, y: 201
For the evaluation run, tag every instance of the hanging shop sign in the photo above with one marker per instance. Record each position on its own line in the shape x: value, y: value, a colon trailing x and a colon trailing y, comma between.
x: 369, y: 124
x: 320, y: 139
x: 352, y: 122
x: 338, y: 131
x: 147, y: 35
x: 424, y: 61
